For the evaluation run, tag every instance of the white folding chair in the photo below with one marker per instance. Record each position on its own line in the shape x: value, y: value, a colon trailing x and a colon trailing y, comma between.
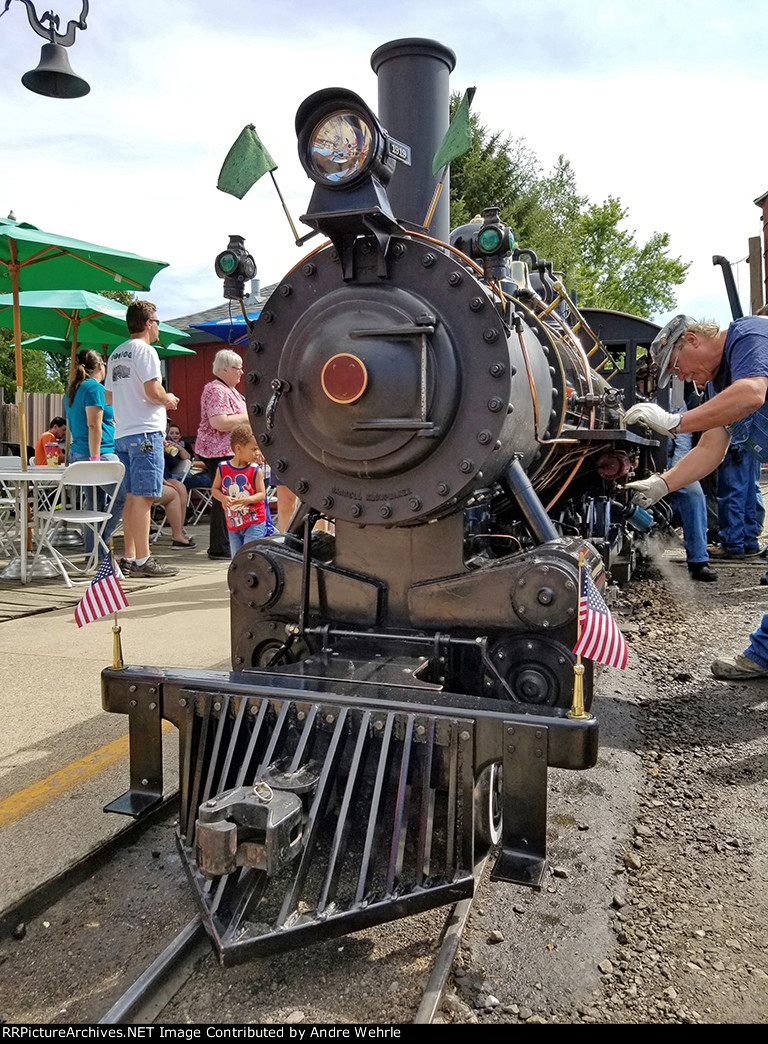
x: 83, y: 475
x: 199, y: 501
x: 8, y: 508
x: 7, y: 520
x: 45, y: 492
x: 181, y: 470
x: 159, y: 517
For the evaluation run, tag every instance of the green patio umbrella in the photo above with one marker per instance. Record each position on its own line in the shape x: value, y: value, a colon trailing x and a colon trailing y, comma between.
x: 58, y: 346
x: 76, y: 316
x: 31, y: 259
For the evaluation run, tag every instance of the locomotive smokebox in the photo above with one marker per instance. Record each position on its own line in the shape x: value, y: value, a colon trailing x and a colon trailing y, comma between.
x: 407, y: 70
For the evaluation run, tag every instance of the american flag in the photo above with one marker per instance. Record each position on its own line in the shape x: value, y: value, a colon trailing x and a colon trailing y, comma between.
x: 103, y: 596
x: 599, y: 637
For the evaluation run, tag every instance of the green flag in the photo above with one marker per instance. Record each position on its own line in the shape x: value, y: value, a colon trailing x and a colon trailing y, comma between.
x: 458, y: 137
x: 246, y: 162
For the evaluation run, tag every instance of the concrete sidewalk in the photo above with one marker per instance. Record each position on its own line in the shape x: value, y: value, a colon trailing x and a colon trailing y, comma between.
x: 45, y: 594
x: 62, y: 758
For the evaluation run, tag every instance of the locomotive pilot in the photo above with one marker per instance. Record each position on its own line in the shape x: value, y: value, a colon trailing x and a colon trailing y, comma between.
x: 732, y: 365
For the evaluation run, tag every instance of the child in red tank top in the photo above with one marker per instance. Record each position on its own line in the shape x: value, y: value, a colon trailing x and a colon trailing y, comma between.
x: 239, y: 487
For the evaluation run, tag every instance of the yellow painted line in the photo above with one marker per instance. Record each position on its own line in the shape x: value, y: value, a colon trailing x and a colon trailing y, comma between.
x: 67, y: 778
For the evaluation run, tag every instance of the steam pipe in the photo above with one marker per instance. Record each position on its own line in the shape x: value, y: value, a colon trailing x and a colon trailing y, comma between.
x: 730, y: 285
x: 520, y: 486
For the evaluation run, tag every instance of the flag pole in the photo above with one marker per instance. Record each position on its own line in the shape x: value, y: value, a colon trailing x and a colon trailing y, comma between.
x: 435, y: 199
x: 577, y: 704
x: 285, y: 208
x: 117, y: 649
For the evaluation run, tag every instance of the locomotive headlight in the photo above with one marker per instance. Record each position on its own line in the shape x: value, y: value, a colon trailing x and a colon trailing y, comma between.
x: 340, y: 147
x: 350, y: 157
x: 341, y: 142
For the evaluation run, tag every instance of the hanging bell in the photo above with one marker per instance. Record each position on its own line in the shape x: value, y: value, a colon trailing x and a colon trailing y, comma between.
x: 53, y: 76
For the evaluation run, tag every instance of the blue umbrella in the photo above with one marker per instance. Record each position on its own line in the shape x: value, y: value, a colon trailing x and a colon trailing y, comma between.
x: 230, y: 329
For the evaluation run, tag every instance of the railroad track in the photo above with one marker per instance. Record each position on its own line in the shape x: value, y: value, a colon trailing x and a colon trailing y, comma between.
x: 148, y: 996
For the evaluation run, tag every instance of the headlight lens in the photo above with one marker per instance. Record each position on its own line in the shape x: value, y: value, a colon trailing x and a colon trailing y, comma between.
x: 340, y: 146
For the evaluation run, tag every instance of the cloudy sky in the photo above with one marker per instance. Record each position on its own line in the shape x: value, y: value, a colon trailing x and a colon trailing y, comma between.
x: 658, y: 103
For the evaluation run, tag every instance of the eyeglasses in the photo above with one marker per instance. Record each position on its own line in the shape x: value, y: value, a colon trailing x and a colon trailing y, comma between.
x: 673, y: 366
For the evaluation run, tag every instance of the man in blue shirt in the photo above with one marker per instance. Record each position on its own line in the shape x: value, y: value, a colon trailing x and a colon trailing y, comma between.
x: 733, y: 364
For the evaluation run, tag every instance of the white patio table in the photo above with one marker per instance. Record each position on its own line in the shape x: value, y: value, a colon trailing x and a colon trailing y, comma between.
x: 19, y: 483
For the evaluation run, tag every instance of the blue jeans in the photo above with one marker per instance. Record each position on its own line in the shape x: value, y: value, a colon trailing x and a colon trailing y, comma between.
x: 758, y: 643
x: 117, y: 509
x: 238, y: 537
x: 144, y: 462
x: 739, y: 501
x: 691, y: 505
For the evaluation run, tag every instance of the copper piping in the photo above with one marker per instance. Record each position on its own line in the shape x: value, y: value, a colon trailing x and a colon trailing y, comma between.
x: 566, y: 484
x: 535, y: 402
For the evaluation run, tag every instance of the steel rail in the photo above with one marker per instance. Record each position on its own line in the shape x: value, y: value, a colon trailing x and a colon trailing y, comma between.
x: 162, y: 980
x: 454, y: 929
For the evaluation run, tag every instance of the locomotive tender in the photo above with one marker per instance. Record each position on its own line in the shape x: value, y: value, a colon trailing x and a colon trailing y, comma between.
x: 402, y: 683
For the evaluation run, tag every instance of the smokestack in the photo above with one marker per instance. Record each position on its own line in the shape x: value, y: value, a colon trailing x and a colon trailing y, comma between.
x: 414, y: 102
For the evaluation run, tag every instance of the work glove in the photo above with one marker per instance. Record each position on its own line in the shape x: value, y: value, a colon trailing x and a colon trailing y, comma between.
x: 654, y: 417
x: 648, y: 491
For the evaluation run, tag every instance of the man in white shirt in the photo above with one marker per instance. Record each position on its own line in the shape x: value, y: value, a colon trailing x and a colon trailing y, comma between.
x: 133, y: 385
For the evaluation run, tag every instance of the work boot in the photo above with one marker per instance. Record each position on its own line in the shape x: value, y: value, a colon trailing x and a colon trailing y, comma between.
x: 738, y: 668
x: 726, y: 554
x: 701, y: 571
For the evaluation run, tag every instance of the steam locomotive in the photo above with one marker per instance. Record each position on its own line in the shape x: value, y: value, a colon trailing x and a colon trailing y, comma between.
x: 402, y: 683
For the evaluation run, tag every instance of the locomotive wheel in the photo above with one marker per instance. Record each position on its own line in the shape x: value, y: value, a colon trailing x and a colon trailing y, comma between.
x: 488, y: 806
x: 538, y: 670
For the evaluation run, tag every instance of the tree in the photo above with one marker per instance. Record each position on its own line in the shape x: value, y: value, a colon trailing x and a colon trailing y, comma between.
x: 504, y: 172
x: 614, y: 271
x: 602, y: 262
x: 35, y: 366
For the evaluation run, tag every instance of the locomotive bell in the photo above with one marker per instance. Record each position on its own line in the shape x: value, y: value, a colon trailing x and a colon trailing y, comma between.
x: 54, y: 76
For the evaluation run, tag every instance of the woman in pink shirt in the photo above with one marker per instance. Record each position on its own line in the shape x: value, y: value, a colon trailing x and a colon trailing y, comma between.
x: 222, y: 408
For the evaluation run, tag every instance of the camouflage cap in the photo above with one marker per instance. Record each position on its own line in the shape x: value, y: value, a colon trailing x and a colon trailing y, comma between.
x: 664, y: 342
